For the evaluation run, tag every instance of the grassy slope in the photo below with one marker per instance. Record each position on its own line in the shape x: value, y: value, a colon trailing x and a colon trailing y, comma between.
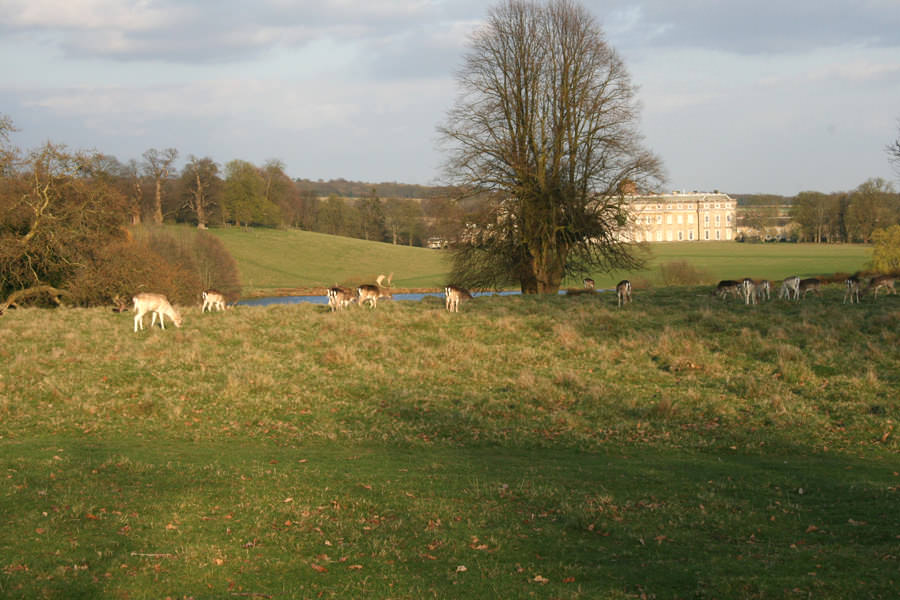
x: 272, y: 260
x: 555, y: 447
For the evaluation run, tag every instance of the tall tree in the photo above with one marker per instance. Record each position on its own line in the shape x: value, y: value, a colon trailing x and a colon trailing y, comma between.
x: 371, y: 215
x: 245, y: 196
x: 873, y: 205
x: 60, y: 208
x: 547, y: 118
x: 158, y: 166
x: 202, y: 187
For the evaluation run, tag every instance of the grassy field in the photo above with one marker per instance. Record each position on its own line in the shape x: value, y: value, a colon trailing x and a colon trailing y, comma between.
x: 548, y: 447
x: 273, y: 261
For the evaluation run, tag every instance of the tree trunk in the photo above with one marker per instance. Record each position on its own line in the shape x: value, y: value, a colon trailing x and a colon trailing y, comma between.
x: 157, y: 205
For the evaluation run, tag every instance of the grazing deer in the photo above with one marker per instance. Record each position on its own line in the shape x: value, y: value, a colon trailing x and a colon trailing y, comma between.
x: 747, y: 286
x: 882, y: 281
x: 339, y: 298
x: 213, y: 300
x: 762, y: 288
x: 852, y: 284
x: 810, y: 285
x: 588, y: 283
x: 453, y: 295
x: 790, y: 288
x: 728, y: 286
x: 371, y: 293
x: 623, y: 292
x: 158, y: 305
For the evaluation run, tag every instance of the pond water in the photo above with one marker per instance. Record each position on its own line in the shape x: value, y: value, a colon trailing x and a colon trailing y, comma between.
x: 269, y: 300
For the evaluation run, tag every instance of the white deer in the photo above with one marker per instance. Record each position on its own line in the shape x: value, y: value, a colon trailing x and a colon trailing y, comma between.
x: 158, y: 305
x: 623, y: 292
x: 371, y: 293
x: 790, y: 288
x: 762, y: 288
x: 213, y: 300
x: 747, y: 286
x: 852, y: 292
x: 339, y: 298
x: 453, y: 295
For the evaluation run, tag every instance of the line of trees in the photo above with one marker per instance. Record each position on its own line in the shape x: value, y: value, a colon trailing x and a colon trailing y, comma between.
x: 846, y: 216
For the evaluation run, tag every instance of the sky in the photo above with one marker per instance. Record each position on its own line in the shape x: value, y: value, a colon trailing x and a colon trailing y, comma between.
x: 740, y: 96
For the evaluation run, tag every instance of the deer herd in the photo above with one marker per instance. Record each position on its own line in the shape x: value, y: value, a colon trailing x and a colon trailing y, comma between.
x: 751, y: 291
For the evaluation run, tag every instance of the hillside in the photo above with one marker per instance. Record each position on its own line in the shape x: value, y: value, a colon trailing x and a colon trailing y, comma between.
x: 274, y: 261
x: 277, y: 262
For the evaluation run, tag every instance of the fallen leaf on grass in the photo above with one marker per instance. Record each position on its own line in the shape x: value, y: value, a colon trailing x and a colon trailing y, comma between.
x: 355, y: 567
x: 541, y: 580
x: 461, y: 569
x: 319, y: 568
x: 569, y: 580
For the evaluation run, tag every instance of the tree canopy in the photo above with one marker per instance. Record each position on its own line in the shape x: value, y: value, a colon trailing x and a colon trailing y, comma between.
x: 546, y: 122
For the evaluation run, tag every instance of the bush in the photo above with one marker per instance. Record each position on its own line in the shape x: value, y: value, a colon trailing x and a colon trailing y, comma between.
x: 681, y: 272
x: 179, y: 266
x: 886, y: 249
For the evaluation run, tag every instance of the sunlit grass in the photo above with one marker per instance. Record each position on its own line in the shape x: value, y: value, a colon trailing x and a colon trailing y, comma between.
x: 555, y: 447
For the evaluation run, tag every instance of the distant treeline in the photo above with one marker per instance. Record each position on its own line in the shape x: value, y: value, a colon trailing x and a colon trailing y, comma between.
x: 360, y: 189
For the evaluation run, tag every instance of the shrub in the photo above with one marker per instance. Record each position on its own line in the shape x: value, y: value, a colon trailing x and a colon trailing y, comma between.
x: 681, y: 272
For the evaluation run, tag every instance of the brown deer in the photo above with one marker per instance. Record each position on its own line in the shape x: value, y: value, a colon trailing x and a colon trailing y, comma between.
x: 811, y: 284
x: 882, y: 281
x: 728, y: 286
x: 371, y: 293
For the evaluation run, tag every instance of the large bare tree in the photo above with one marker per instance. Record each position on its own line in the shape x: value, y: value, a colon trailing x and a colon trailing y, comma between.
x: 546, y: 122
x: 158, y: 166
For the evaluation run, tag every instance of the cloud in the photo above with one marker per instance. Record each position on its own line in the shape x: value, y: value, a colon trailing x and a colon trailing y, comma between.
x: 753, y: 26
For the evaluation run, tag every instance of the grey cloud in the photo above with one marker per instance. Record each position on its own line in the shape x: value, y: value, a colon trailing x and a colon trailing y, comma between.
x: 751, y: 27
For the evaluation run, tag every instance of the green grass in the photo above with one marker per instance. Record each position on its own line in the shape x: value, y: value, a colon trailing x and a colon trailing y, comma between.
x: 272, y: 261
x: 527, y: 446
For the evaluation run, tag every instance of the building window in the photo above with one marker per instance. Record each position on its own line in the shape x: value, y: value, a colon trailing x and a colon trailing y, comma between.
x: 679, y: 219
x: 691, y: 235
x: 728, y: 218
x: 668, y: 219
x: 707, y: 233
x: 718, y: 234
x: 690, y: 219
x: 659, y: 219
x: 680, y: 236
x: 718, y: 220
x: 706, y: 220
x: 659, y: 236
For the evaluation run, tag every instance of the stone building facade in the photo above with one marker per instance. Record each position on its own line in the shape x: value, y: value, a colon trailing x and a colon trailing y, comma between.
x: 681, y: 217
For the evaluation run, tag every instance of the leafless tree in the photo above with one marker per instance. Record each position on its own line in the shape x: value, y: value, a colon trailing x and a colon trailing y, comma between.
x: 546, y: 119
x: 158, y: 166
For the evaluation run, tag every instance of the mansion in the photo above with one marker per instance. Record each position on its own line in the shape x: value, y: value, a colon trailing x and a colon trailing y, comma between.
x: 677, y: 217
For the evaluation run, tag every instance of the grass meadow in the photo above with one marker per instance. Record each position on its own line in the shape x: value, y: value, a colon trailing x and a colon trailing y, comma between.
x: 526, y: 447
x: 274, y: 262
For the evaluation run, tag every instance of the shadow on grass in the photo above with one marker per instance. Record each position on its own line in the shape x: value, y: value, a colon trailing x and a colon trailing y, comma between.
x: 112, y: 518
